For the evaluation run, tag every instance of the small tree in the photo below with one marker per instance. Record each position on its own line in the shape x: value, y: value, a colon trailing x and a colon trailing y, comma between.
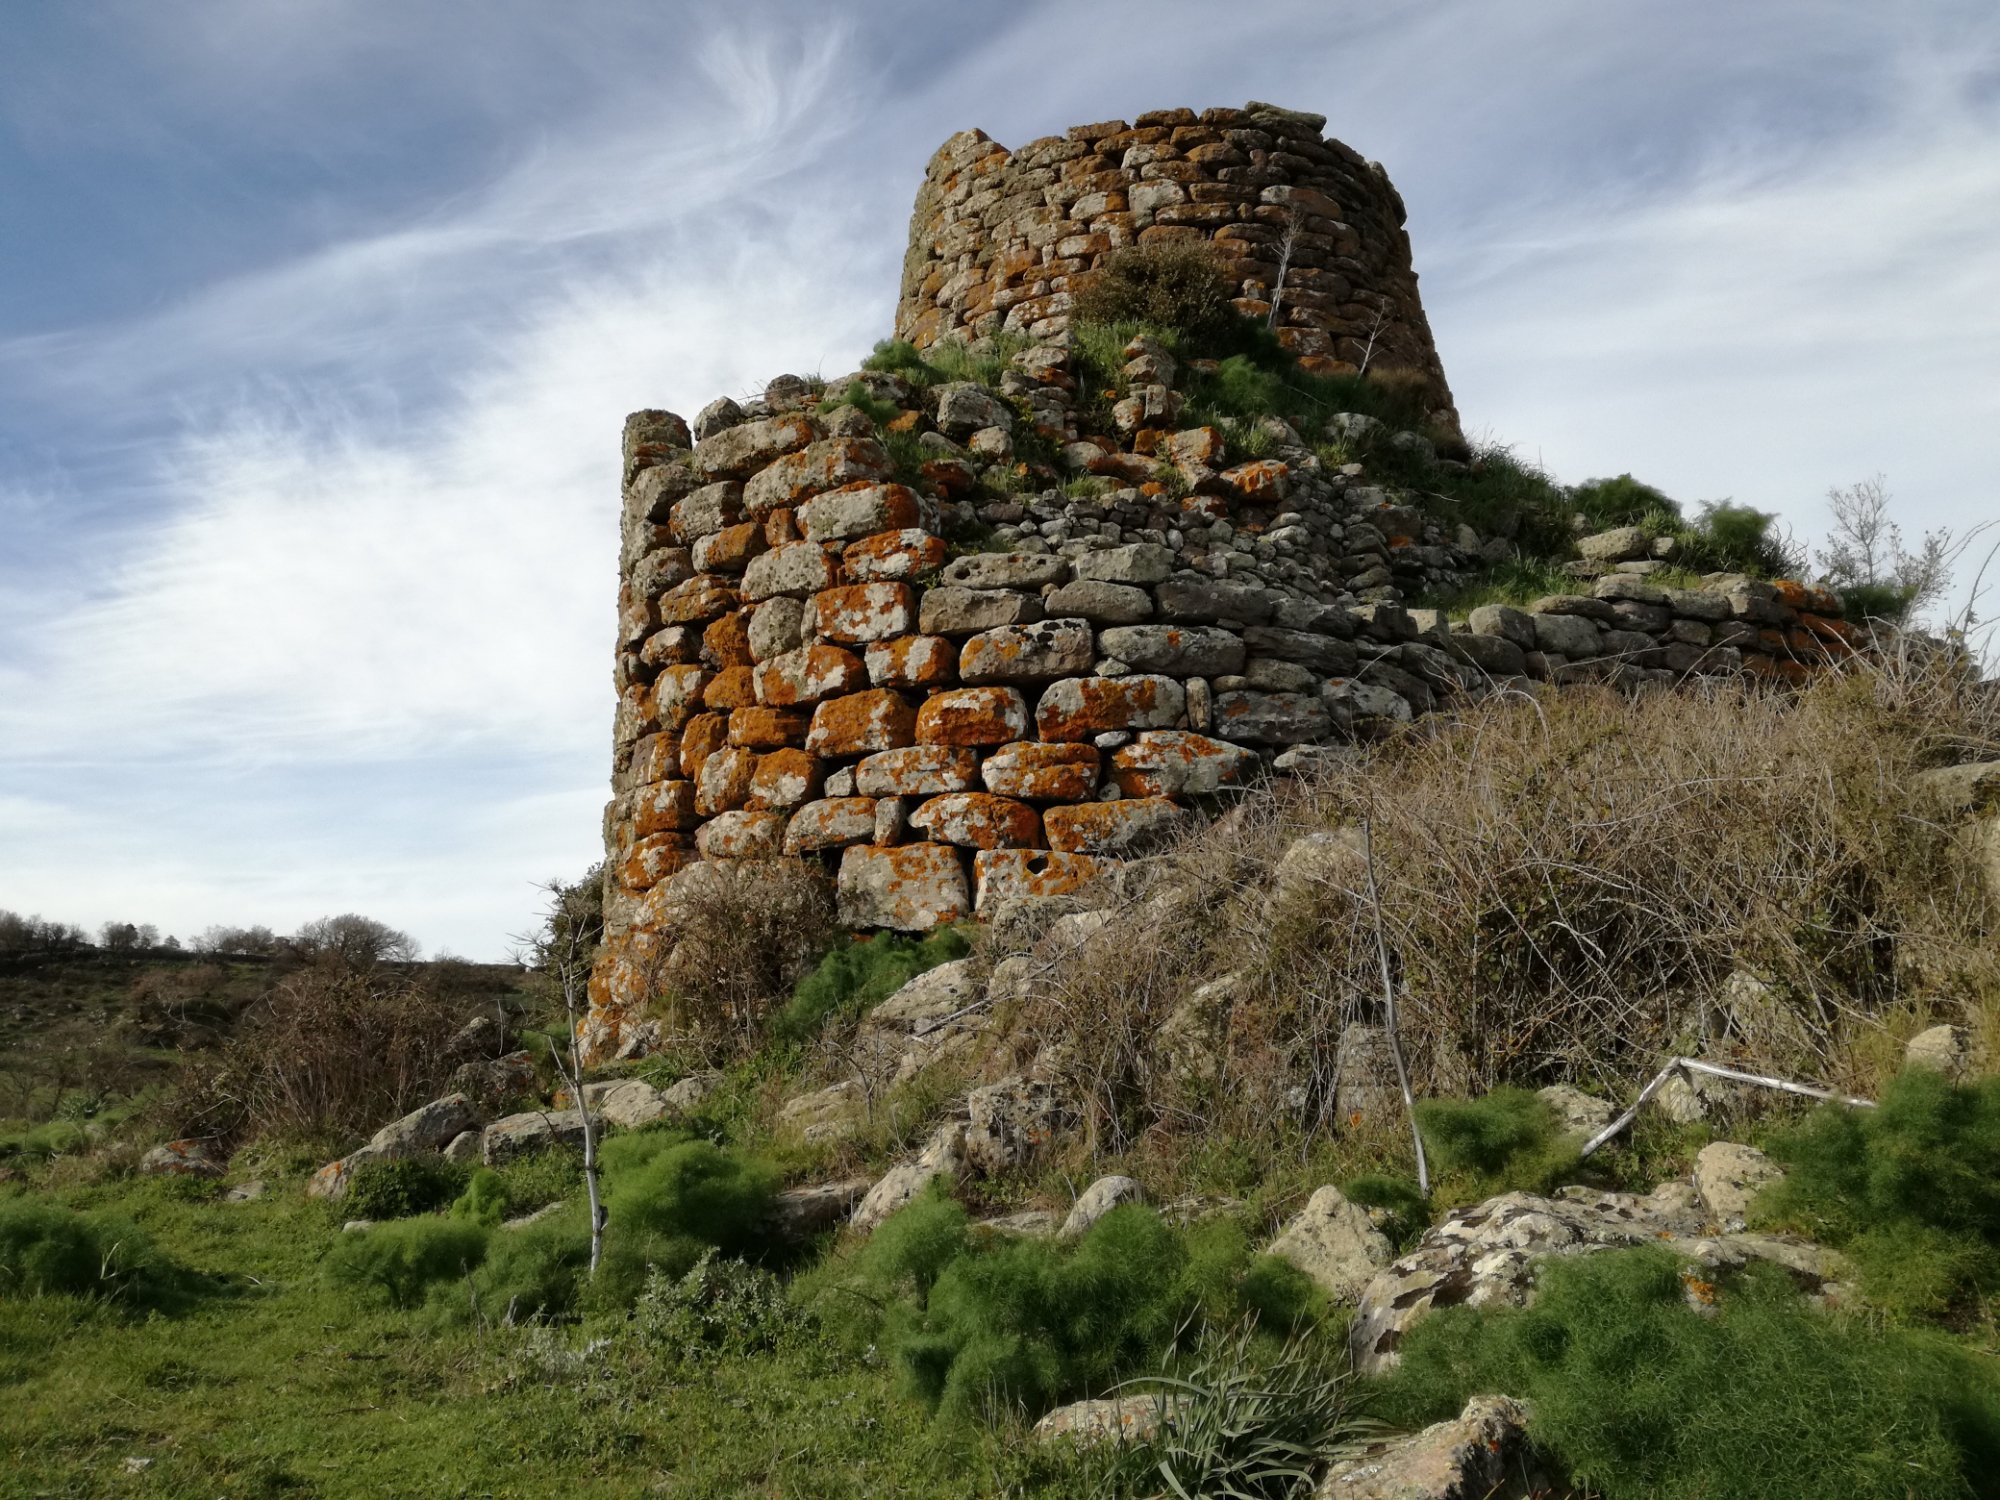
x: 563, y: 951
x: 354, y: 940
x: 1864, y: 556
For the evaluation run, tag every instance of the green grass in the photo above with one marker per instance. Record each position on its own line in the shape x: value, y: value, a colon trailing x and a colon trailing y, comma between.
x: 1910, y: 1190
x: 1504, y: 1141
x: 1759, y: 1395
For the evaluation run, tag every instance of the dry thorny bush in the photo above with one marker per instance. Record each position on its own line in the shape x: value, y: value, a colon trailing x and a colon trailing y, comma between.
x: 743, y: 933
x: 1567, y: 884
x: 330, y: 1052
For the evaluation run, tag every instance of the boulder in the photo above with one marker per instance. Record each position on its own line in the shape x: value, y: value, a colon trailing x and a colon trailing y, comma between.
x: 1121, y: 1419
x: 964, y: 407
x: 691, y: 1092
x: 799, y: 1213
x: 1728, y: 1176
x: 1941, y: 1049
x: 428, y: 1128
x: 626, y: 1102
x: 496, y: 1081
x: 183, y: 1158
x: 1481, y: 1454
x: 530, y: 1131
x: 833, y: 1113
x: 1336, y: 1243
x: 463, y: 1147
x: 1096, y: 1201
x: 943, y: 1156
x: 1576, y: 1112
x: 1008, y: 1123
x: 1620, y: 544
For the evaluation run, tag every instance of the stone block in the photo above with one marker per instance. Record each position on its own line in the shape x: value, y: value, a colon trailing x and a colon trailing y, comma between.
x: 1139, y: 563
x: 811, y: 674
x: 1028, y: 653
x: 664, y: 806
x: 948, y: 610
x: 862, y: 723
x: 724, y: 782
x: 831, y: 823
x: 1175, y: 763
x: 1572, y: 636
x: 893, y: 556
x: 798, y: 569
x: 1271, y: 718
x: 826, y: 465
x: 1041, y: 772
x: 1131, y: 825
x: 1080, y: 708
x: 979, y: 820
x: 1190, y: 597
x: 785, y: 778
x: 862, y: 612
x: 732, y: 687
x: 1322, y: 654
x: 705, y: 734
x: 917, y: 771
x: 1012, y: 874
x: 1100, y: 603
x: 738, y: 452
x: 1031, y: 571
x: 1176, y: 650
x: 726, y: 642
x: 697, y: 601
x: 707, y: 511
x: 728, y: 550
x: 654, y: 858
x: 776, y: 626
x: 859, y: 510
x: 912, y: 888
x: 742, y: 835
x: 972, y: 716
x: 914, y: 661
x: 677, y: 695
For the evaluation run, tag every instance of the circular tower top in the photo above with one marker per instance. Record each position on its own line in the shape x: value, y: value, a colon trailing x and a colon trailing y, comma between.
x: 1300, y: 222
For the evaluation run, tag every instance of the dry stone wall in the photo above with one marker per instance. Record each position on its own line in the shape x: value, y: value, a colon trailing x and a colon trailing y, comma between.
x: 808, y: 668
x: 999, y: 238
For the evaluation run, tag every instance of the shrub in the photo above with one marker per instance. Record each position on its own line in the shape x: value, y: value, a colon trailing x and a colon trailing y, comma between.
x: 1910, y: 1189
x: 1730, y: 538
x: 484, y: 1200
x: 48, y: 1251
x: 401, y: 1260
x: 1507, y: 1140
x: 982, y: 1324
x: 1641, y: 1398
x: 856, y: 395
x: 540, y: 1178
x: 1176, y: 284
x: 717, y: 1196
x: 533, y: 1272
x: 399, y: 1189
x: 44, y: 1142
x: 743, y: 935
x: 849, y: 980
x: 715, y: 1306
x: 1623, y: 501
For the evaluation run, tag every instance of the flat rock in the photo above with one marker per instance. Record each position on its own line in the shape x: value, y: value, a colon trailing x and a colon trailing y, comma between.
x: 183, y: 1158
x: 1481, y: 1454
x: 529, y: 1131
x: 1120, y: 1419
x: 799, y: 1213
x: 943, y: 1156
x: 1728, y: 1176
x: 1096, y: 1201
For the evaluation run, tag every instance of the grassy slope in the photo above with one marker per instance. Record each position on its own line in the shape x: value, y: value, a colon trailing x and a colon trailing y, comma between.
x: 272, y: 1383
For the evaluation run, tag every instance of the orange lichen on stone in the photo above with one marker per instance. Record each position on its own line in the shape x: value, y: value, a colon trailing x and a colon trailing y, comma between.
x: 979, y: 820
x: 705, y: 734
x: 724, y: 782
x: 730, y: 549
x: 653, y: 859
x: 677, y: 696
x: 1264, y: 480
x: 1079, y: 708
x: 664, y: 807
x: 863, y: 612
x: 1007, y: 874
x: 759, y: 728
x: 697, y: 601
x: 972, y: 716
x: 1042, y: 773
x: 826, y: 465
x: 743, y: 835
x: 732, y: 687
x: 917, y: 771
x: 831, y: 823
x: 912, y: 888
x: 893, y: 555
x: 811, y: 674
x: 913, y: 661
x: 785, y: 779
x: 1110, y: 827
x: 726, y: 642
x: 862, y: 723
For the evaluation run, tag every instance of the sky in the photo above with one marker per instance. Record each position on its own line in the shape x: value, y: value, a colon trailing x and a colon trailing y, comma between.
x: 319, y: 319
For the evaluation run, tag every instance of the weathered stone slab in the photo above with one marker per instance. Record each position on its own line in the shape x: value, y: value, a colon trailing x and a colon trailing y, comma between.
x: 910, y: 889
x: 1028, y: 653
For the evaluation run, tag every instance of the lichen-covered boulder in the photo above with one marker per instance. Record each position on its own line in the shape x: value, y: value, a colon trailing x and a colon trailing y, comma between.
x: 1336, y: 1243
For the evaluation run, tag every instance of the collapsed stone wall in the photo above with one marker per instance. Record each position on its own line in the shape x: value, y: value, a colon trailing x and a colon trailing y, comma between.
x: 999, y: 238
x: 808, y: 668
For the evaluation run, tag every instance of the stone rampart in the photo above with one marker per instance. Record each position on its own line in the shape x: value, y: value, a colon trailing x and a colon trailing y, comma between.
x: 808, y: 668
x: 999, y: 238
